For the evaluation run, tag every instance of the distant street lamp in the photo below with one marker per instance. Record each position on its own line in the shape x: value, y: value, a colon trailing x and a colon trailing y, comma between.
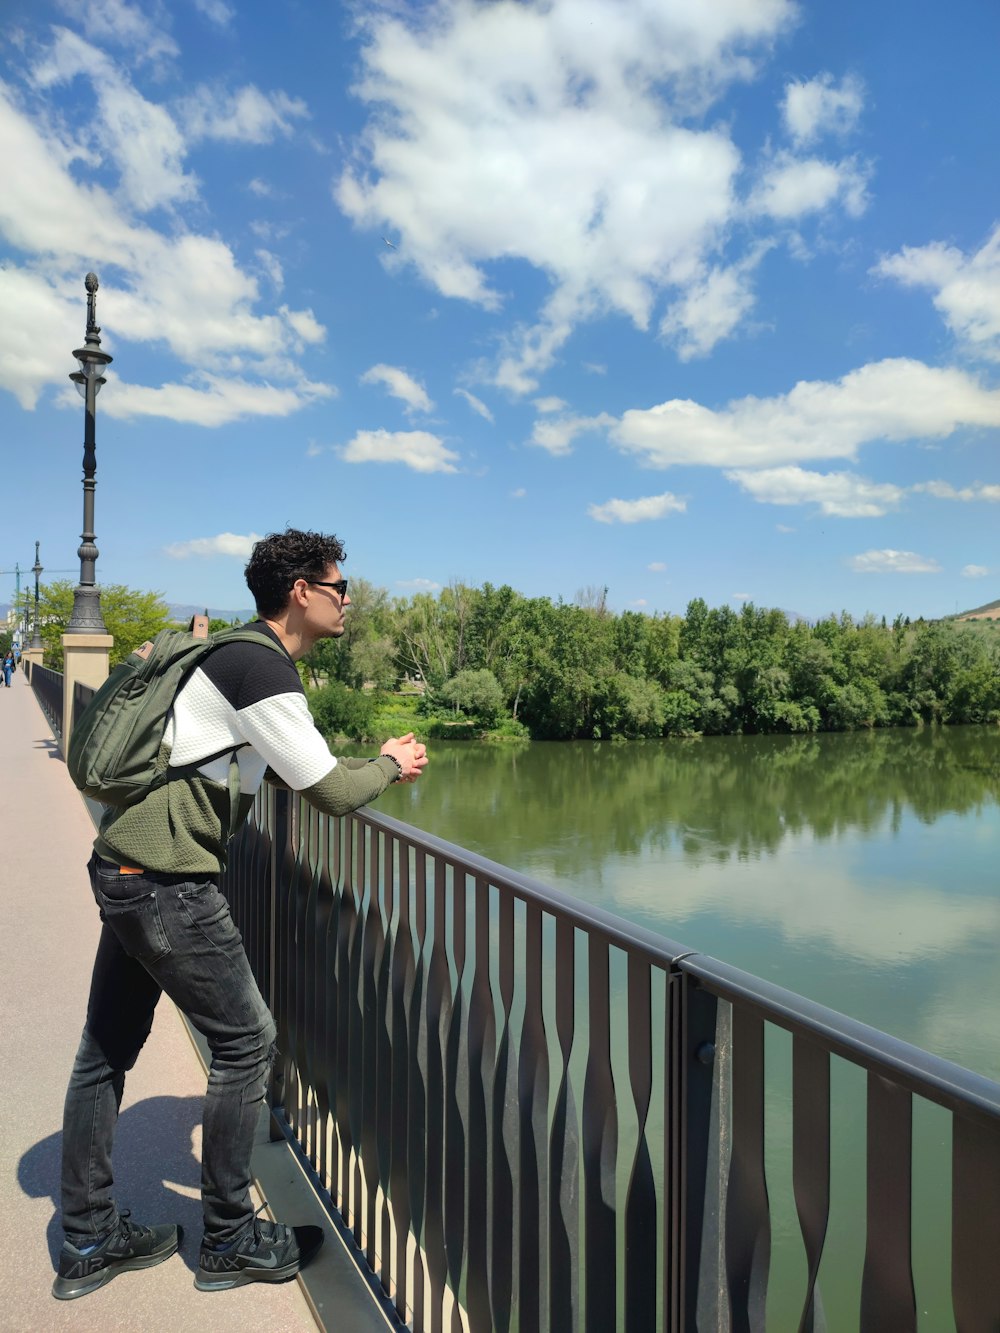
x: 36, y: 569
x: 86, y: 617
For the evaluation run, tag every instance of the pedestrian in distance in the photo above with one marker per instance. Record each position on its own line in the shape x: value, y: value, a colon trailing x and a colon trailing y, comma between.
x: 9, y: 666
x: 167, y: 928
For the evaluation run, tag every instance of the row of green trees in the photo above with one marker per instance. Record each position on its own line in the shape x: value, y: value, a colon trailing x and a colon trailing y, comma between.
x: 575, y: 670
x: 490, y: 659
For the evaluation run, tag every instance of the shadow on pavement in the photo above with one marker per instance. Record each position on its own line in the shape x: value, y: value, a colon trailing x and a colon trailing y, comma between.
x: 157, y: 1174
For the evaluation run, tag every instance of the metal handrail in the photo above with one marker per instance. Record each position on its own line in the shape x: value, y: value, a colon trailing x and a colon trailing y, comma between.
x: 48, y: 689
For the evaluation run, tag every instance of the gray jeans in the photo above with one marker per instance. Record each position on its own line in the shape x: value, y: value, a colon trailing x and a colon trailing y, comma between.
x: 166, y: 933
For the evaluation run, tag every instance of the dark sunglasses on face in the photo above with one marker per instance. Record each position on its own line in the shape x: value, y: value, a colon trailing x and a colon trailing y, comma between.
x: 339, y: 586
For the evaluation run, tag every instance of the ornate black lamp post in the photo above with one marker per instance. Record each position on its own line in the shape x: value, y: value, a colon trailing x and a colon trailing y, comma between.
x: 86, y: 617
x: 36, y: 569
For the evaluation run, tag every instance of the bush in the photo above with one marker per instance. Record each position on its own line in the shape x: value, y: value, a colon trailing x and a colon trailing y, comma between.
x: 341, y: 711
x: 475, y: 693
x: 508, y: 729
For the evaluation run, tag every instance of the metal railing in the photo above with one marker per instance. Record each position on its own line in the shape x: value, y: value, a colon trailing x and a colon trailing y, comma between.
x: 48, y: 687
x: 532, y: 1115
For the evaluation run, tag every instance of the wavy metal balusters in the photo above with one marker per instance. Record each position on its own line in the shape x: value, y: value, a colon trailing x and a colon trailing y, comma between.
x: 382, y: 971
x: 976, y: 1225
x: 503, y: 1136
x: 811, y: 1159
x: 564, y: 1150
x: 600, y: 1149
x: 640, y: 1199
x: 533, y: 1101
x: 437, y: 1012
x: 416, y: 1126
x: 481, y: 1030
x: 402, y: 979
x: 887, y: 1296
x: 748, y: 1222
x: 457, y: 1110
x: 437, y: 1140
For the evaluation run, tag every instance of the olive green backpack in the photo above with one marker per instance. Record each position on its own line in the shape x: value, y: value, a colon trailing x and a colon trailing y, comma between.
x: 116, y: 741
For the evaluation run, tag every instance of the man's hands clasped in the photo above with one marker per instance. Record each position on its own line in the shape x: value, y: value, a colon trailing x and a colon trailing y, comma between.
x: 409, y: 753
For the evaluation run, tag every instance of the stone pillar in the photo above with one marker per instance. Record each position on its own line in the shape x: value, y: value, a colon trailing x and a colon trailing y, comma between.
x: 31, y: 657
x: 85, y: 659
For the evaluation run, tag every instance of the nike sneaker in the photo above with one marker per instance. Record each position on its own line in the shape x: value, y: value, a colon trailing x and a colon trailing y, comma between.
x: 267, y: 1252
x: 127, y: 1247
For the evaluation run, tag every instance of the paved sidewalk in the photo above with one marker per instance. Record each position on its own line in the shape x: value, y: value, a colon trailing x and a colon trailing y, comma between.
x: 47, y: 941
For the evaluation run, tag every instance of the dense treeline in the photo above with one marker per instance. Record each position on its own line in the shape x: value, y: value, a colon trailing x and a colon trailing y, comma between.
x: 488, y: 659
x: 498, y: 661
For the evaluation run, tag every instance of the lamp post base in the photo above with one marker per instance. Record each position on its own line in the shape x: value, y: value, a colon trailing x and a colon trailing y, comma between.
x: 86, y: 617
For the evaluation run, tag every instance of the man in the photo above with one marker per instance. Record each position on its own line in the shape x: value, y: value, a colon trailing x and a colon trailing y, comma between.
x: 154, y: 874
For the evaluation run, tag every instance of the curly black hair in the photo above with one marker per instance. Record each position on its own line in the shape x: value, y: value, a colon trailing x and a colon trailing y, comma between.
x: 280, y: 558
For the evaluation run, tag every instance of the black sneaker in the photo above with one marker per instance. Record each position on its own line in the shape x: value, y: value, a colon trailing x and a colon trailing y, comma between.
x: 269, y: 1252
x: 127, y: 1247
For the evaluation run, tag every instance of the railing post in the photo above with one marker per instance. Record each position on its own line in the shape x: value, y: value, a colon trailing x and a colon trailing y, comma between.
x: 85, y: 660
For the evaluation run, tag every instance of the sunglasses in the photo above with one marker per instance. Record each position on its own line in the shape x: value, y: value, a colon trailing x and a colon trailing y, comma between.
x: 339, y: 587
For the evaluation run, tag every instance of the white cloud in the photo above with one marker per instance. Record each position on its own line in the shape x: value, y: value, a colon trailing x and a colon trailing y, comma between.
x: 216, y: 11
x: 418, y: 585
x: 966, y: 288
x: 244, y: 116
x: 783, y: 527
x: 943, y: 490
x: 974, y: 571
x: 711, y: 308
x: 557, y: 436
x: 791, y: 187
x: 594, y: 368
x: 134, y: 135
x: 226, y: 543
x: 125, y: 25
x: 640, y: 601
x: 476, y: 404
x: 637, y: 511
x: 895, y: 399
x: 219, y: 402
x: 893, y: 562
x: 656, y: 566
x: 271, y: 265
x: 400, y: 385
x: 554, y: 135
x: 418, y: 449
x: 261, y: 188
x: 742, y: 596
x: 822, y: 107
x: 839, y: 494
x: 518, y: 494
x: 549, y: 404
x: 304, y: 324
x: 180, y: 289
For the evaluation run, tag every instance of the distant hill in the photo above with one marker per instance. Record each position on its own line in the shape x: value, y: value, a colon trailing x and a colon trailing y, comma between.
x: 988, y: 612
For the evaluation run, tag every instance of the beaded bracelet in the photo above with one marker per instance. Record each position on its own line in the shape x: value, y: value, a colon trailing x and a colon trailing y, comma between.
x: 393, y: 760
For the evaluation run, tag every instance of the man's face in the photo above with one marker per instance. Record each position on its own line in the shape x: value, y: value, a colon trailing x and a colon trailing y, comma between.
x: 325, y: 612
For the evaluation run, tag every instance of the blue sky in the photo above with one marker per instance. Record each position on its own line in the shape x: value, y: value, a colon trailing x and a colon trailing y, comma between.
x: 680, y: 299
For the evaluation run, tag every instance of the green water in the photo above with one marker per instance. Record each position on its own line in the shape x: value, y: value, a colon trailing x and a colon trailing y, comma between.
x: 859, y: 870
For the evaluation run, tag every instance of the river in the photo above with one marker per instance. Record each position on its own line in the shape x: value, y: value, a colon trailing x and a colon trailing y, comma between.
x: 860, y: 870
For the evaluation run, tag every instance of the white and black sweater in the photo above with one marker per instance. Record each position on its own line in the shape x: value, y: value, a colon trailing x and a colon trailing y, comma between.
x: 241, y: 695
